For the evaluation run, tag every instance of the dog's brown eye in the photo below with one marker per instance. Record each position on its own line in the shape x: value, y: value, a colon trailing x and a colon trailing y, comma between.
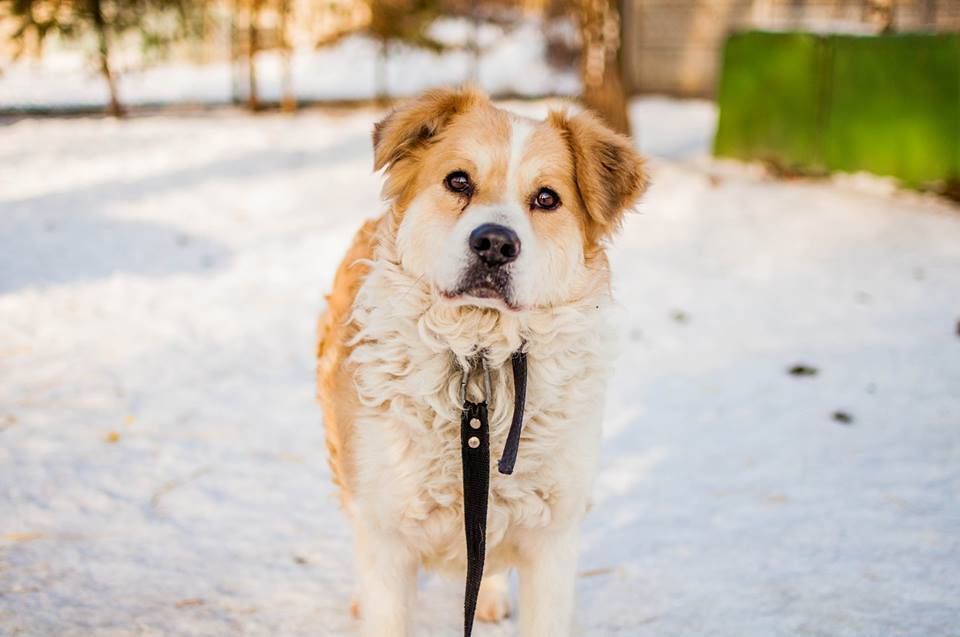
x: 546, y: 199
x: 458, y: 182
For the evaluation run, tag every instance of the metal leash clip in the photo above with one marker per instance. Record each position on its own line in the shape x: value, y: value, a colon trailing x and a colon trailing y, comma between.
x: 465, y: 380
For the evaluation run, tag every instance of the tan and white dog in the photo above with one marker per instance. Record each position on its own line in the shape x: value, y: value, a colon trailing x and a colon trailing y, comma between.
x: 493, y: 241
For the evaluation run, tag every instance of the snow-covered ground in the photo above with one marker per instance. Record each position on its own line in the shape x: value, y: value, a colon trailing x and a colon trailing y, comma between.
x: 161, y: 459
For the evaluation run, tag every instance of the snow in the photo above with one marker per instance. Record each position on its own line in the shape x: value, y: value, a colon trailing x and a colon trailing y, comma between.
x: 162, y: 468
x: 513, y: 62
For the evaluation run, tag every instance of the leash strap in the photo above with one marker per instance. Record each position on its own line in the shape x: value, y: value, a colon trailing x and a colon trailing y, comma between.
x: 475, y: 458
x: 512, y: 446
x: 475, y: 455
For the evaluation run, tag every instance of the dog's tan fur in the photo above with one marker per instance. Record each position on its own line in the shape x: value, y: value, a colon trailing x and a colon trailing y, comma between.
x: 335, y: 331
x: 395, y: 339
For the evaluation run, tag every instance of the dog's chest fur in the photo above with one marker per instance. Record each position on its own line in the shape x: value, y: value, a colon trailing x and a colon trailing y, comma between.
x: 408, y: 357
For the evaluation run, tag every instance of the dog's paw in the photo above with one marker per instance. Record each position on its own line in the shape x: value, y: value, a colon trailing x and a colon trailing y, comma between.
x: 493, y: 602
x: 493, y: 608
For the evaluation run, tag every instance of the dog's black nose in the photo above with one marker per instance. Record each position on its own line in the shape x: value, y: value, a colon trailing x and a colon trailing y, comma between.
x: 495, y: 244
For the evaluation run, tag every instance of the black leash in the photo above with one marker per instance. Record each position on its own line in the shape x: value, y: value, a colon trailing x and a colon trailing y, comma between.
x: 475, y: 457
x: 512, y: 446
x: 475, y: 454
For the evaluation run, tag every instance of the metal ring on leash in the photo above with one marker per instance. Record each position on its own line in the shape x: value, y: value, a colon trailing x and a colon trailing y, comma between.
x: 487, y: 385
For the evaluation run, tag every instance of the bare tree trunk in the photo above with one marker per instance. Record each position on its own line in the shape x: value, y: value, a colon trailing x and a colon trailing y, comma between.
x: 253, y: 100
x: 236, y: 54
x: 103, y: 53
x: 603, y: 90
x: 381, y: 72
x: 288, y: 101
x: 473, y: 45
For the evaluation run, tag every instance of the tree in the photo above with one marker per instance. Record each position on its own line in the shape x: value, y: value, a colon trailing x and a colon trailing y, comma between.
x: 404, y: 21
x: 288, y: 100
x: 253, y: 47
x: 107, y: 21
x: 501, y: 14
x: 600, y: 68
x: 257, y: 26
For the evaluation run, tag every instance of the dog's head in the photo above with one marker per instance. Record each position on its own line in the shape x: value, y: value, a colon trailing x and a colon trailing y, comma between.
x: 500, y: 211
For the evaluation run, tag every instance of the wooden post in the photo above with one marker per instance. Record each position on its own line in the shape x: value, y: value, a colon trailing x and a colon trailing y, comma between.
x: 882, y: 13
x: 603, y: 90
x: 931, y: 14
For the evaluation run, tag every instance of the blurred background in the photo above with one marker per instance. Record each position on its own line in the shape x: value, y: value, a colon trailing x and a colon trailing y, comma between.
x: 179, y: 180
x: 805, y: 86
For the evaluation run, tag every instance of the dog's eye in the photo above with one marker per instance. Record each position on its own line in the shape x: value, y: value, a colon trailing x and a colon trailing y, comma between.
x: 458, y: 182
x: 546, y: 199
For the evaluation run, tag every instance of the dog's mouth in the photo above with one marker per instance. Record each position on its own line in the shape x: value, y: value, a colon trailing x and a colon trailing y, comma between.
x: 485, y: 287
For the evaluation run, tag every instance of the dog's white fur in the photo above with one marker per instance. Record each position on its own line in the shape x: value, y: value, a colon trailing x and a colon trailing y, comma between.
x: 409, y: 356
x: 409, y: 348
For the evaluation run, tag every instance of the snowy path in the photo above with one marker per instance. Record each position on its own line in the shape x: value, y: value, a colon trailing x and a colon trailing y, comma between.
x: 161, y: 457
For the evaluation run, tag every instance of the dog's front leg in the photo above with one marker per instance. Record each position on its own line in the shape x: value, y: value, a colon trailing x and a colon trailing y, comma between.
x: 547, y: 575
x: 387, y: 581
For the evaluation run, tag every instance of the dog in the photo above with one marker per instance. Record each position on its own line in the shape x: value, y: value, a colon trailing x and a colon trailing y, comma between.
x: 493, y: 242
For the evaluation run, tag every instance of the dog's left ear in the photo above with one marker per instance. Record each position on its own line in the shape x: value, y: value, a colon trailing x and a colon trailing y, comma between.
x: 414, y: 124
x: 609, y: 173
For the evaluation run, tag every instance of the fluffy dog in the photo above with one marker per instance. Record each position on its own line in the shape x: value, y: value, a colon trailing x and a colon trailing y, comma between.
x: 493, y: 242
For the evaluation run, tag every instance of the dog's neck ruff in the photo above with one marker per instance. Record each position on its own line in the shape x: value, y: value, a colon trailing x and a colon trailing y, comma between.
x: 475, y: 458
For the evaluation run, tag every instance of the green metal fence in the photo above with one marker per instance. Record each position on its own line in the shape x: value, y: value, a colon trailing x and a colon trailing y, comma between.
x: 887, y: 104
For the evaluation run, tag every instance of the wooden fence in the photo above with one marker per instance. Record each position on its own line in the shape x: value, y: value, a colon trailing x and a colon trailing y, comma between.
x: 674, y: 46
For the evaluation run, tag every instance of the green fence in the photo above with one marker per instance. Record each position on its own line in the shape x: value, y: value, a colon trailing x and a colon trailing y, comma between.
x: 889, y: 104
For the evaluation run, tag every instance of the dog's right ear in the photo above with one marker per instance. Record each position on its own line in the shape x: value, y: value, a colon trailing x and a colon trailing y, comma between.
x: 413, y: 125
